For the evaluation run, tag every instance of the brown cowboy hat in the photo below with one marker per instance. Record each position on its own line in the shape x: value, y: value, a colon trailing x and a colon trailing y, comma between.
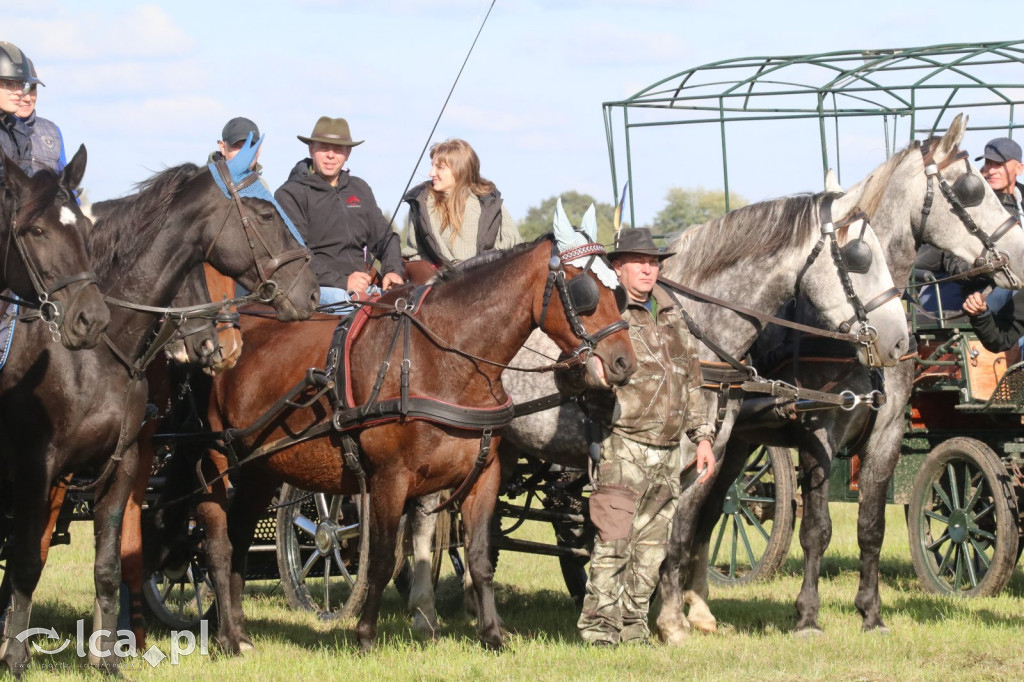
x: 638, y: 240
x: 331, y: 131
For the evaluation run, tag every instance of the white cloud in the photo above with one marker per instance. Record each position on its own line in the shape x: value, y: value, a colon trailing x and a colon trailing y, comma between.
x: 142, y: 31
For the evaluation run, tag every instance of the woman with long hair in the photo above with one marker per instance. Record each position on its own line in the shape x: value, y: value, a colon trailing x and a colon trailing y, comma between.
x: 457, y: 214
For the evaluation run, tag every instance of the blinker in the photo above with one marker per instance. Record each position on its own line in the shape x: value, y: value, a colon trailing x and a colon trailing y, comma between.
x: 858, y: 257
x: 969, y: 190
x: 583, y: 294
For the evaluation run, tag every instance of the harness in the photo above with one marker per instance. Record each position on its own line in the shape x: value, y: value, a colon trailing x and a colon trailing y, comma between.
x: 49, y: 311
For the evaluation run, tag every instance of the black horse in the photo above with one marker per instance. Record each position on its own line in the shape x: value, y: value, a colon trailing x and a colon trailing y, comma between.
x: 68, y: 412
x: 42, y: 251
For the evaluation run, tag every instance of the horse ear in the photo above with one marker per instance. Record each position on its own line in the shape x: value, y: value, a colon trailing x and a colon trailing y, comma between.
x: 71, y: 176
x: 951, y: 140
x: 565, y: 235
x: 588, y: 225
x: 561, y: 221
x: 245, y: 159
x: 15, y: 178
x: 832, y: 182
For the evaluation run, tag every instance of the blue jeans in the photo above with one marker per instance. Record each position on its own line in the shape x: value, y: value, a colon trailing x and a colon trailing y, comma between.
x: 334, y: 297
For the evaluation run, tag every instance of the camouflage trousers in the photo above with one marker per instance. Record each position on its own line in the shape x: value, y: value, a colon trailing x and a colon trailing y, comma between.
x: 637, y: 492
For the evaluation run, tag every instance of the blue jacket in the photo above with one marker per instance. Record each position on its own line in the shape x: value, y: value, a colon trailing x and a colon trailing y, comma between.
x: 47, y: 149
x: 16, y: 142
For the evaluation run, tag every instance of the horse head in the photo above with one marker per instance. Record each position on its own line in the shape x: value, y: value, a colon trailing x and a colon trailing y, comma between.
x: 44, y: 259
x: 210, y: 338
x: 949, y: 204
x: 848, y: 280
x: 591, y: 302
x: 254, y: 242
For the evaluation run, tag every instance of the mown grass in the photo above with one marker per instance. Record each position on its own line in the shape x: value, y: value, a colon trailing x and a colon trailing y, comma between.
x: 932, y: 638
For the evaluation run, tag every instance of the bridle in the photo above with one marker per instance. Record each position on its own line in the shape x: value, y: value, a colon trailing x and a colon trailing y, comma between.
x: 966, y: 192
x: 267, y: 289
x: 50, y: 311
x: 579, y: 295
x: 854, y: 257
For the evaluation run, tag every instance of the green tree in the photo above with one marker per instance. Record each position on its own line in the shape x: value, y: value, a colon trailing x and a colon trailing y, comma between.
x: 538, y: 219
x: 686, y: 207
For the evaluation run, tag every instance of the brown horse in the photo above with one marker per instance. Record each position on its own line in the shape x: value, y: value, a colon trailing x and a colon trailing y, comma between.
x: 470, y: 325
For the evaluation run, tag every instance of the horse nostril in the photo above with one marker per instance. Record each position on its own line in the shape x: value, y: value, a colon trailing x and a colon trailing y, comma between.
x: 621, y: 366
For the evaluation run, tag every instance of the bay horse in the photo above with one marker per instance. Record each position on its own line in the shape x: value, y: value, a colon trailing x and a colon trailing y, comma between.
x: 470, y: 325
x: 964, y: 203
x: 42, y: 248
x: 66, y: 412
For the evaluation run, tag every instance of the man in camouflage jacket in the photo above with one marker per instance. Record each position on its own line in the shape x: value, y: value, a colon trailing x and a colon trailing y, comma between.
x: 638, y: 478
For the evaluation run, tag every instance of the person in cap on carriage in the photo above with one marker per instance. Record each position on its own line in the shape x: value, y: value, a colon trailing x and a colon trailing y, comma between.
x: 338, y: 217
x: 233, y: 137
x: 47, y: 140
x: 457, y: 214
x: 1002, y: 167
x: 15, y: 79
x: 638, y: 479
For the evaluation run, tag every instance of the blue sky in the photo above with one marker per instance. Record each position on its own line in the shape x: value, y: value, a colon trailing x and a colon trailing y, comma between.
x: 149, y: 85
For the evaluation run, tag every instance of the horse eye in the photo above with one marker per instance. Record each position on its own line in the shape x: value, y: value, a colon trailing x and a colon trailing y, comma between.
x: 36, y: 231
x: 267, y: 216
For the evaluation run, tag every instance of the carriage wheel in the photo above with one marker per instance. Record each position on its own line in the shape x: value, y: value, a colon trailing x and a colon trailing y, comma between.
x: 752, y: 539
x: 317, y: 549
x: 181, y: 596
x: 963, y: 525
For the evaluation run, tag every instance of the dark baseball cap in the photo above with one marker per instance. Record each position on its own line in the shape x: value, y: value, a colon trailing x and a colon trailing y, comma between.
x: 237, y: 129
x: 1001, y: 149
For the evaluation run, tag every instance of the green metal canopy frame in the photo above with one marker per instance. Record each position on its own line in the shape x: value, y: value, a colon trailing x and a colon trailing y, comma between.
x: 918, y: 86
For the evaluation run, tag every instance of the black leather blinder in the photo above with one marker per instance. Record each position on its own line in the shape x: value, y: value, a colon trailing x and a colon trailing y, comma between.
x: 969, y: 190
x: 858, y: 257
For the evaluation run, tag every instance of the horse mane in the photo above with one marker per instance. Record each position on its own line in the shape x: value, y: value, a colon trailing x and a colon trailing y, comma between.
x: 462, y: 269
x: 124, y: 227
x: 874, y: 186
x: 754, y: 231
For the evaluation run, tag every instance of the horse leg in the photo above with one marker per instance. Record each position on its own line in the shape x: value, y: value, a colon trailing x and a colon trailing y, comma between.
x: 25, y: 563
x: 132, y: 565
x: 387, y: 498
x: 673, y: 626
x: 815, y: 532
x: 108, y: 512
x: 477, y: 512
x: 878, y: 462
x: 423, y: 526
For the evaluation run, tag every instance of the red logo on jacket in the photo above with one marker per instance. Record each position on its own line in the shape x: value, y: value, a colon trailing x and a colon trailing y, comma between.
x: 353, y: 202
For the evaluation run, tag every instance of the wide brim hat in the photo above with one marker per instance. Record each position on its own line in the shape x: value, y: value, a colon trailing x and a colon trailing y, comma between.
x: 331, y: 131
x: 638, y: 241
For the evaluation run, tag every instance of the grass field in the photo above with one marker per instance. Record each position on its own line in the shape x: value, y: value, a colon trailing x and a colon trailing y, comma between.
x: 931, y: 638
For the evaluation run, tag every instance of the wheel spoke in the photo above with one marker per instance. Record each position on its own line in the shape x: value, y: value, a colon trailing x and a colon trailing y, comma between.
x: 941, y: 493
x: 954, y: 489
x: 718, y: 540
x: 944, y: 564
x: 934, y: 545
x: 344, y: 569
x: 755, y: 523
x: 958, y: 575
x: 991, y: 537
x: 756, y: 500
x: 972, y: 574
x: 757, y: 476
x: 734, y: 547
x: 306, y: 525
x: 308, y: 566
x: 980, y: 553
x: 937, y: 517
x: 327, y: 584
x: 321, y: 506
x: 972, y: 499
x: 746, y: 544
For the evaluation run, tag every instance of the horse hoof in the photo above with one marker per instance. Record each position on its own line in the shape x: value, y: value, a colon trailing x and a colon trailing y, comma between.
x: 675, y: 637
x: 877, y: 630
x: 708, y: 627
x: 493, y: 642
x: 246, y: 647
x: 812, y: 631
x: 424, y: 628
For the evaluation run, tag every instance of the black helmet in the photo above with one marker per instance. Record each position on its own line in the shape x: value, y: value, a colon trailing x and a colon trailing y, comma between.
x: 14, y: 64
x: 33, y: 78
